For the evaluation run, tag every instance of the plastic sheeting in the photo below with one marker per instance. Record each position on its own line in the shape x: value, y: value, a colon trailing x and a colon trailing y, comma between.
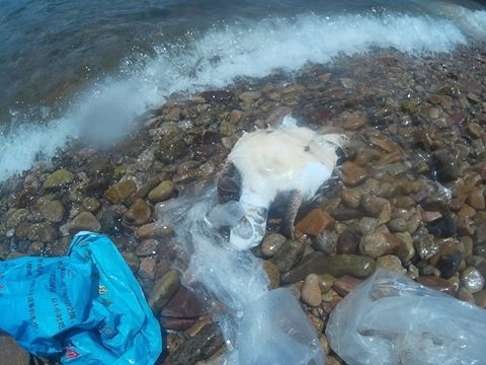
x: 392, y: 320
x: 86, y: 307
x: 270, y: 161
x: 260, y: 326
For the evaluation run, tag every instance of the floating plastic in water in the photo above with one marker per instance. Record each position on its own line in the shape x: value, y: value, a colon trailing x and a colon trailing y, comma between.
x: 86, y: 307
x: 390, y: 319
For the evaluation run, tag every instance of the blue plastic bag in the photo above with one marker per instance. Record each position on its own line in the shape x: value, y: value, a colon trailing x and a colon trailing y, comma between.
x: 86, y: 307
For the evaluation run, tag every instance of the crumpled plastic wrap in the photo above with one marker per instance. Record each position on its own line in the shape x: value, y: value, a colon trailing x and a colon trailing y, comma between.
x: 86, y: 308
x: 274, y: 330
x: 284, y: 159
x: 260, y: 326
x: 391, y: 320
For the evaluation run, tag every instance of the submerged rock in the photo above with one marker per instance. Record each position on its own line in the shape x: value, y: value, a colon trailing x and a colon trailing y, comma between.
x: 337, y: 266
x: 58, y: 179
x: 84, y: 221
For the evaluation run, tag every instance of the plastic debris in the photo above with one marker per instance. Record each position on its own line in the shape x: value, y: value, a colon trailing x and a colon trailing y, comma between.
x: 260, y: 326
x: 390, y: 319
x: 274, y: 330
x: 86, y: 308
x: 270, y: 161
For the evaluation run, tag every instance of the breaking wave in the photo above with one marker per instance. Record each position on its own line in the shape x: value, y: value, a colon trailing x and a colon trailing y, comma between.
x: 106, y: 110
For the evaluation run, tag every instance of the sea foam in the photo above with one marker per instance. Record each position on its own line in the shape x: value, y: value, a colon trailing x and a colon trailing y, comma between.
x: 106, y: 110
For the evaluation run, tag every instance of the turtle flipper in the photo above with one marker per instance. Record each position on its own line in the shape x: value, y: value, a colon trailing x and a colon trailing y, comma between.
x: 295, y: 200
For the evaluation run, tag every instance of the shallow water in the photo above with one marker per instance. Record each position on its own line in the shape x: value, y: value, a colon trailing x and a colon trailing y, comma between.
x: 87, y: 69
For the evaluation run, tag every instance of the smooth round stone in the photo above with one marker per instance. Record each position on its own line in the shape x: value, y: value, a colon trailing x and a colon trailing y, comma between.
x: 391, y: 263
x: 272, y: 243
x: 472, y: 279
x: 311, y: 292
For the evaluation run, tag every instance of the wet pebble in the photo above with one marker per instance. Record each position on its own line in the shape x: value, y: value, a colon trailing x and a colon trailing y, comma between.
x: 311, y: 291
x: 84, y: 221
x: 272, y: 244
x: 472, y: 279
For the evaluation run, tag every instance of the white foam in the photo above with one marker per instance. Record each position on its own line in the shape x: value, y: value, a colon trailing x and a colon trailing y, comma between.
x: 106, y: 111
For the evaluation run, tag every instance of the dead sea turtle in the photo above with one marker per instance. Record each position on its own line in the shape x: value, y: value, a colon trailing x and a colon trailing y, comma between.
x: 278, y: 170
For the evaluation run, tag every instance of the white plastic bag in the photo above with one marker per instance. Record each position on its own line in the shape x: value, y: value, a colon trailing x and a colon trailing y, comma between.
x: 392, y: 320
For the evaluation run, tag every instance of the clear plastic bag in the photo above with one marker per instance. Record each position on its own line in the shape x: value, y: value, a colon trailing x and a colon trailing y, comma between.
x: 260, y: 326
x: 274, y: 330
x: 390, y: 319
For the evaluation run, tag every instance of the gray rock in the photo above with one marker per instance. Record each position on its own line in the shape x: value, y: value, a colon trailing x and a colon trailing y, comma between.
x: 326, y: 242
x: 288, y: 255
x: 84, y: 221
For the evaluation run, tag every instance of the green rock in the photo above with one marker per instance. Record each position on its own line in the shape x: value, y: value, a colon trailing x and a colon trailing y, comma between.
x: 164, y: 290
x: 337, y: 266
x: 42, y: 232
x: 91, y: 204
x: 58, y: 179
x: 290, y: 253
x: 51, y: 210
x: 15, y: 217
x: 121, y: 191
x: 162, y: 192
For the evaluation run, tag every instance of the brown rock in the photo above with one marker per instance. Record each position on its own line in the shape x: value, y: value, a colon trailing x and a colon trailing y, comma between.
x: 147, y: 268
x: 139, y: 213
x: 184, y: 304
x: 437, y: 283
x: 162, y: 192
x: 345, y: 284
x: 379, y: 244
x: 390, y: 263
x: 353, y: 121
x: 353, y: 174
x: 476, y: 199
x: 147, y: 248
x: 352, y: 198
x: 374, y: 205
x: 315, y: 222
x: 121, y: 191
x: 311, y: 292
x: 11, y: 353
x: 480, y: 298
x: 152, y: 230
x: 273, y: 274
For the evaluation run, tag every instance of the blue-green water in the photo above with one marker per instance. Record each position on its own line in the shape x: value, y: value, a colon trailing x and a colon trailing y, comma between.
x: 87, y: 68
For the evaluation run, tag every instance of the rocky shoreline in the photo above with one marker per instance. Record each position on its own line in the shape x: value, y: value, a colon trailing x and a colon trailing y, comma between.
x: 410, y: 198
